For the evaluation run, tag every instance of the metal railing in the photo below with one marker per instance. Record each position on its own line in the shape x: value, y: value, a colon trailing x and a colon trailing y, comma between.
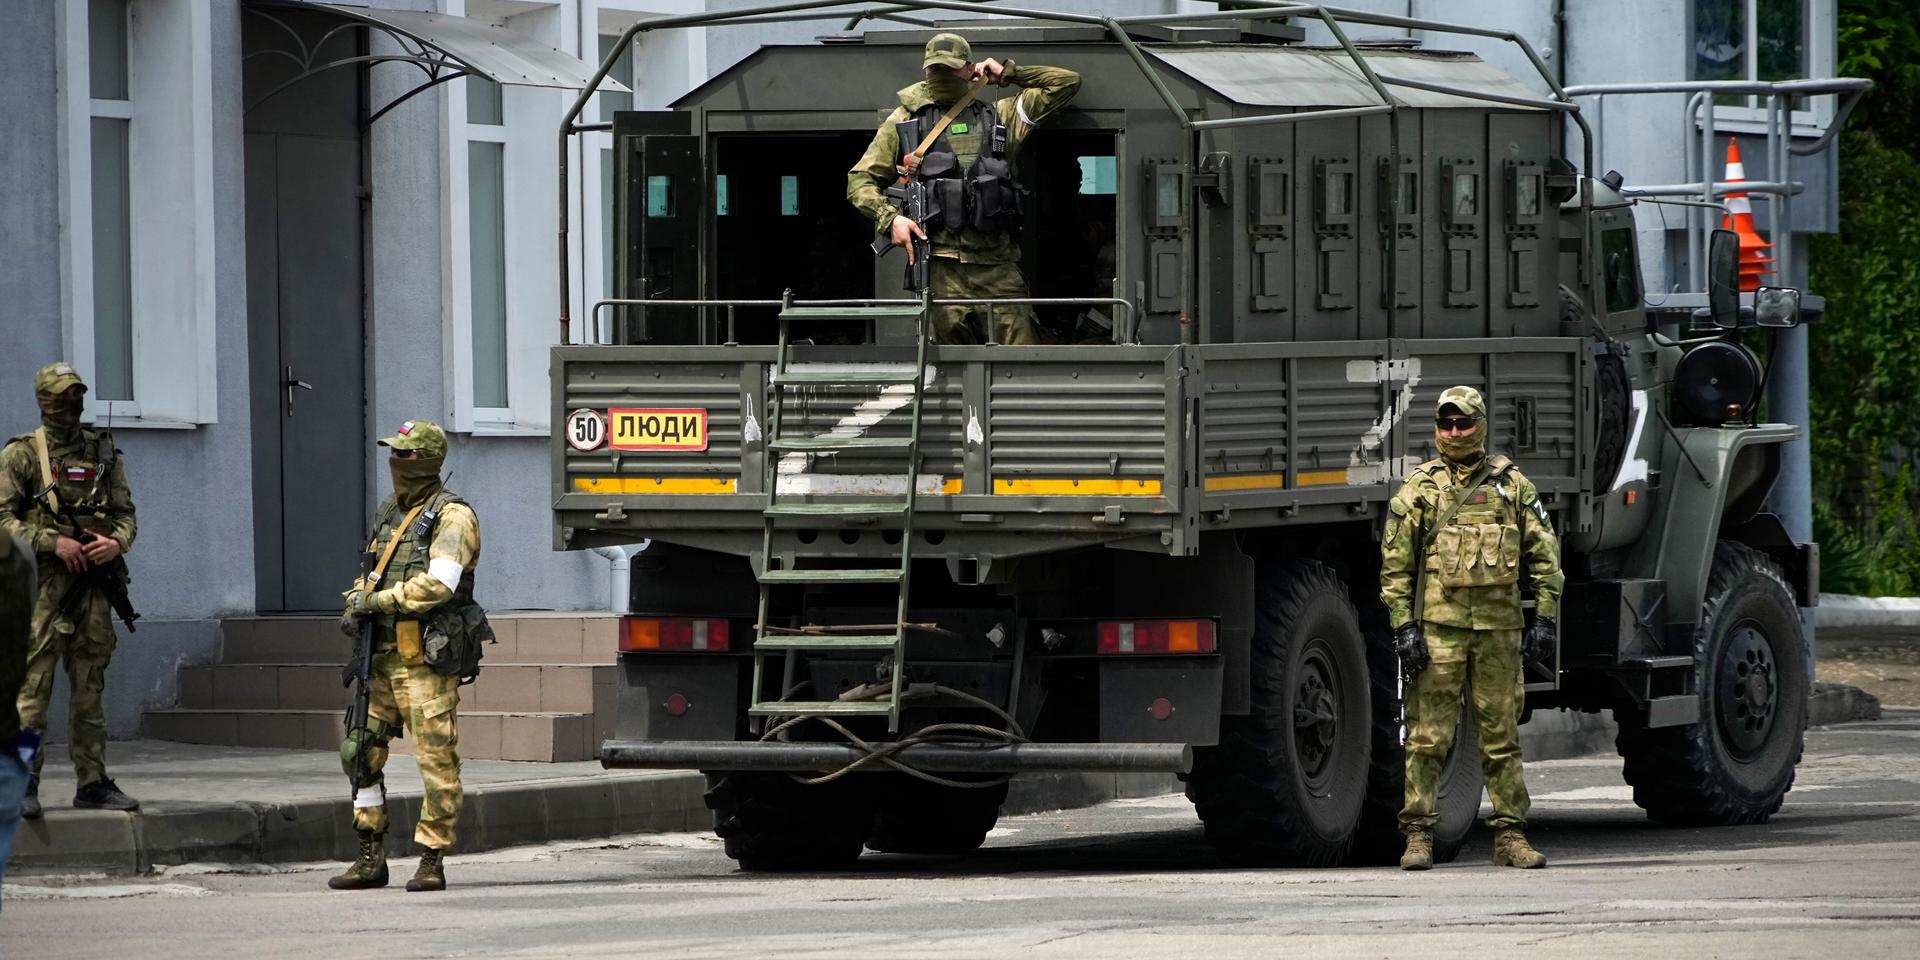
x: 1117, y: 28
x: 1698, y: 133
x: 1125, y: 333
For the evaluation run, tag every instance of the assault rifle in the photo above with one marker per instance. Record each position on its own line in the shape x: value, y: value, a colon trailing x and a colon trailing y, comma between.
x: 359, y: 675
x: 110, y: 579
x: 915, y: 200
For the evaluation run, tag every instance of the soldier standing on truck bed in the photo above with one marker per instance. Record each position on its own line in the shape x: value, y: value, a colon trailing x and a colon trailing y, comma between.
x: 975, y: 252
x: 64, y: 492
x: 1450, y: 563
x: 428, y: 542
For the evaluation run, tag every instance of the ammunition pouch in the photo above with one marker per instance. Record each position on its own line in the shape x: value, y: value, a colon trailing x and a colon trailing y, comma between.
x: 454, y: 639
x: 984, y: 196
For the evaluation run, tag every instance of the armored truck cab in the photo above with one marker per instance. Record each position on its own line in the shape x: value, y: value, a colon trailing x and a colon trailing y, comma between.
x: 884, y: 575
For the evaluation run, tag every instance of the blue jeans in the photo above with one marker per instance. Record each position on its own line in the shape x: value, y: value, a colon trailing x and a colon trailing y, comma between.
x: 13, y: 788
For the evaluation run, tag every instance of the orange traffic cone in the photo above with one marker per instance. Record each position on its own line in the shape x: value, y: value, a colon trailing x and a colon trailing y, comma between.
x: 1739, y: 219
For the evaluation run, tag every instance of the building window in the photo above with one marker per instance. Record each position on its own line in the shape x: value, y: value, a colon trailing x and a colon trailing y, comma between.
x: 110, y: 117
x: 1763, y: 40
x: 487, y: 251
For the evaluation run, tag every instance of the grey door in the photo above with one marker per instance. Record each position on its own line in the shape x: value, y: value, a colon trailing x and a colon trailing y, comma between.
x: 306, y: 319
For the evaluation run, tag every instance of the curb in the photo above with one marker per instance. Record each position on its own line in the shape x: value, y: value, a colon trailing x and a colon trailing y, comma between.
x: 1839, y: 703
x: 1839, y: 611
x: 540, y: 811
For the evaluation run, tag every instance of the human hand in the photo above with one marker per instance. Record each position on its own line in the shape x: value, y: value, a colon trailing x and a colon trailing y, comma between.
x: 102, y: 550
x: 989, y: 68
x: 72, y: 553
x: 905, y: 231
x: 1411, y: 647
x: 1538, y: 639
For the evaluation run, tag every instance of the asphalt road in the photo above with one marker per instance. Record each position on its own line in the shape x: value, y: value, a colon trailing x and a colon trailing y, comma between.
x: 1835, y: 875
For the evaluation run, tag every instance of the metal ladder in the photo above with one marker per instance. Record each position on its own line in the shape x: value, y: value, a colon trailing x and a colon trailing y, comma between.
x: 790, y: 642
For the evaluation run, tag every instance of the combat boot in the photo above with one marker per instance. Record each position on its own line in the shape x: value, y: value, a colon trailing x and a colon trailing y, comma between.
x: 30, y: 804
x: 1419, y: 855
x: 1511, y: 849
x: 102, y: 794
x: 370, y: 869
x: 432, y: 874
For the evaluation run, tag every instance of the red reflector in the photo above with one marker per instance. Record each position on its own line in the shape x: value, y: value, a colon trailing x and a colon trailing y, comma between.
x: 1156, y: 636
x: 673, y: 633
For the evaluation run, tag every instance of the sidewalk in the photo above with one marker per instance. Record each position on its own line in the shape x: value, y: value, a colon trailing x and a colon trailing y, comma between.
x: 255, y: 805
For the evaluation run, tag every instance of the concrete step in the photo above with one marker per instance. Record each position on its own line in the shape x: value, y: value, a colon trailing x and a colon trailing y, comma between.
x: 484, y: 734
x: 517, y: 687
x: 525, y: 636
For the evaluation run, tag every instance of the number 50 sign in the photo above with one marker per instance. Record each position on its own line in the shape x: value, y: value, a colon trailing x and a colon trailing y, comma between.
x: 586, y: 430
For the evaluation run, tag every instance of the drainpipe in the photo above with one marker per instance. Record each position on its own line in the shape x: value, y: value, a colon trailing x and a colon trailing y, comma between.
x: 619, y: 572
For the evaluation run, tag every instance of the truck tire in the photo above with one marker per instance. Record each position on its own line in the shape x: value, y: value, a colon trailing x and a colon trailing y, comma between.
x: 1379, y: 840
x: 915, y: 816
x: 1286, y: 782
x: 1735, y: 764
x: 772, y: 822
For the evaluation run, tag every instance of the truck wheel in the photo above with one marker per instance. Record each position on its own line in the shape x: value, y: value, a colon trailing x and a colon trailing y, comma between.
x: 1379, y: 840
x: 772, y: 822
x: 915, y: 816
x: 1286, y: 782
x: 1735, y: 764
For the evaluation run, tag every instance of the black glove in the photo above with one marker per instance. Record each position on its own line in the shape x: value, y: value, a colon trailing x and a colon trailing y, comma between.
x: 1538, y: 639
x: 1411, y: 647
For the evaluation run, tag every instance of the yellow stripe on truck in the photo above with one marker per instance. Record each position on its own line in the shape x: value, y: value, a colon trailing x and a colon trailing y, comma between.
x: 656, y: 484
x: 1088, y: 487
x: 1323, y: 478
x: 1250, y: 481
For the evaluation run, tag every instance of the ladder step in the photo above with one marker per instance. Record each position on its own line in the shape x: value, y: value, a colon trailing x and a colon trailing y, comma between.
x: 840, y: 443
x: 899, y: 312
x: 788, y: 708
x: 845, y: 376
x: 831, y: 576
x: 843, y: 641
x: 836, y: 509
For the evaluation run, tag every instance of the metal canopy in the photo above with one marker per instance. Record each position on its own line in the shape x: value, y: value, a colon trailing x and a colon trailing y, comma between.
x: 493, y: 52
x: 442, y: 47
x: 1273, y: 76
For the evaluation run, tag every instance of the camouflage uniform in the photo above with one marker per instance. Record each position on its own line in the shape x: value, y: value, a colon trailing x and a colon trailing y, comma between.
x: 1472, y: 619
x: 90, y: 478
x: 429, y: 568
x: 967, y: 263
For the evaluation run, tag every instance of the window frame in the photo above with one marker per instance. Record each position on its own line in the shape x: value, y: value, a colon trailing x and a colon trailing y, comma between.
x: 170, y: 224
x: 1820, y: 40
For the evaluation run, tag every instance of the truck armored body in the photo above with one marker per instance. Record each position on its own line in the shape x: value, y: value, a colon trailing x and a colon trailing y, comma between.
x: 884, y: 575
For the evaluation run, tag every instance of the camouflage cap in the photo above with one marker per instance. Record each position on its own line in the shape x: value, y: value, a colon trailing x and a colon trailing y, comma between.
x: 1467, y: 400
x: 57, y: 377
x: 947, y: 50
x: 422, y: 435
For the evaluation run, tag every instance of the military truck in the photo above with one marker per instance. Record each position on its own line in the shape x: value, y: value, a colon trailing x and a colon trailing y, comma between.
x: 885, y: 575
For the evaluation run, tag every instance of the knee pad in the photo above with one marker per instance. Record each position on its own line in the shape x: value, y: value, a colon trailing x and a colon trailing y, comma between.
x: 377, y: 735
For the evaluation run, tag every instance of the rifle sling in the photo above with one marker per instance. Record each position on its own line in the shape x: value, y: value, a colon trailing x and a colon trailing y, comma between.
x: 913, y: 159
x: 46, y: 468
x: 393, y: 543
x: 1420, y: 555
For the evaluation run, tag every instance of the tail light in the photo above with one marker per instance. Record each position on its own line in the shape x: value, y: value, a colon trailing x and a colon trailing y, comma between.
x: 649, y: 634
x: 1157, y: 636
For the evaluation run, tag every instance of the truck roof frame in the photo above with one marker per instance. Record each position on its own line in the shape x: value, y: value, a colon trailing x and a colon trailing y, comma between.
x: 1117, y: 28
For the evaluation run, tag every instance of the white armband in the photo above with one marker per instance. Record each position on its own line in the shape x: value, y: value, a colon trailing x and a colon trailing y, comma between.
x: 446, y: 570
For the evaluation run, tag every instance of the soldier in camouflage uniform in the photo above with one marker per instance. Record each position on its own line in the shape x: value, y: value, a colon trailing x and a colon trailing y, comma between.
x: 969, y: 263
x: 1466, y: 622
x: 88, y: 478
x: 432, y: 565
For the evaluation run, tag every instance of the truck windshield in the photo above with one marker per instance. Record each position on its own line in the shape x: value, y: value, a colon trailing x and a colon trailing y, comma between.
x: 1623, y: 270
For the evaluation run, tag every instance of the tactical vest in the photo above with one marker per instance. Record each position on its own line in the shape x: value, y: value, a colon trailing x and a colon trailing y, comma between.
x: 1480, y: 545
x: 985, y: 197
x: 82, y: 477
x: 411, y: 557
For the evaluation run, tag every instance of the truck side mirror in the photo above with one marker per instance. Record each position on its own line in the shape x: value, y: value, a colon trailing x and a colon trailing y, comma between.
x: 1776, y: 307
x: 1723, y: 279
